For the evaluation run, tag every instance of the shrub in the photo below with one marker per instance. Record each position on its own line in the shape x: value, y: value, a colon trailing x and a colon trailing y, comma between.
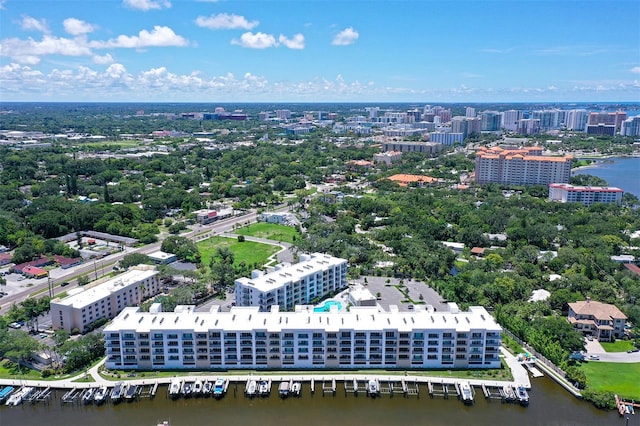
x: 47, y: 372
x: 241, y: 238
x: 602, y: 400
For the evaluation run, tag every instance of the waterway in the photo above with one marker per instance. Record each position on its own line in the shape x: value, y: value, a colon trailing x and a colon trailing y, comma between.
x: 550, y: 405
x: 622, y: 172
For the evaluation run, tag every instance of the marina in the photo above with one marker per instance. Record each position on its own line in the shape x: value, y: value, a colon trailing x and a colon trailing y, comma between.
x: 550, y: 402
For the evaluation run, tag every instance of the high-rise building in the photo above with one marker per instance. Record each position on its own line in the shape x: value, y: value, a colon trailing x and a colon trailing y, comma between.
x: 577, y: 120
x: 528, y: 126
x: 549, y: 119
x: 316, y: 275
x: 510, y: 119
x: 469, y: 112
x: 246, y: 338
x: 526, y: 166
x: 607, y: 118
x: 490, y: 121
x: 283, y: 114
x: 630, y: 126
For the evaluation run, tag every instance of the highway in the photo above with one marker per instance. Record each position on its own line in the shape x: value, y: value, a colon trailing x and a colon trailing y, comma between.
x: 100, y: 267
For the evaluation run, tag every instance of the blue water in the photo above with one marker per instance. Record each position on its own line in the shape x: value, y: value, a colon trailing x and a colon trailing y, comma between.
x: 326, y: 306
x: 623, y: 173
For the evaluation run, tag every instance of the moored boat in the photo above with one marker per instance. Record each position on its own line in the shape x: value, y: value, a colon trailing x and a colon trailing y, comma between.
x: 283, y: 389
x: 372, y: 388
x: 219, y: 388
x: 117, y: 392
x: 131, y: 392
x: 20, y: 395
x: 264, y: 388
x: 522, y: 395
x: 296, y: 388
x: 207, y: 388
x: 466, y: 393
x: 100, y: 395
x: 6, y: 392
x: 251, y: 388
x: 197, y: 388
x: 187, y: 389
x: 174, y: 388
x: 87, y: 395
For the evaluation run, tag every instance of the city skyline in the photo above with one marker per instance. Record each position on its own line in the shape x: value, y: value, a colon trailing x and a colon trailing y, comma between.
x: 353, y: 51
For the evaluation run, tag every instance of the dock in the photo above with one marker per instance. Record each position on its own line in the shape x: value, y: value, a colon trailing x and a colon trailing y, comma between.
x: 71, y: 396
x: 351, y: 386
x: 438, y: 389
x: 313, y: 386
x: 533, y: 370
x: 328, y: 387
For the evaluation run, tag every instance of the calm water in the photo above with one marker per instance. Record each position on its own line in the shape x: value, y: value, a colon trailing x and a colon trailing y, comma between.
x: 550, y: 405
x: 621, y: 172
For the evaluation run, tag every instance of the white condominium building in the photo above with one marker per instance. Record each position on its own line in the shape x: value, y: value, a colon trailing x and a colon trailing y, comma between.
x: 315, y: 276
x: 85, y: 306
x: 245, y: 338
x: 586, y: 195
x: 526, y: 166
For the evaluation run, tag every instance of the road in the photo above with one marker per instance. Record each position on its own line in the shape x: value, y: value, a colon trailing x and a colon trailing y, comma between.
x: 101, y: 267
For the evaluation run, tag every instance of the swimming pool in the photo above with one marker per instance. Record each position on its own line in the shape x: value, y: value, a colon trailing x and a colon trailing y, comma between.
x: 326, y: 306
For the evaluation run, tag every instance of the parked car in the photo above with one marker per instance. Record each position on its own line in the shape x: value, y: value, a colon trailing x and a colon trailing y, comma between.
x: 589, y: 337
x: 594, y: 357
x: 630, y: 351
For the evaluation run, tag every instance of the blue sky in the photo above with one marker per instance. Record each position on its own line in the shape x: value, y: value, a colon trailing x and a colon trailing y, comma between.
x: 319, y: 50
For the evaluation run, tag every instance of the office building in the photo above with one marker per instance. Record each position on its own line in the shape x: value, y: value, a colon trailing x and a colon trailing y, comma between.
x: 446, y: 138
x: 587, y: 195
x: 246, y: 338
x: 526, y: 166
x: 85, y: 306
x: 607, y: 118
x: 601, y: 129
x: 287, y: 285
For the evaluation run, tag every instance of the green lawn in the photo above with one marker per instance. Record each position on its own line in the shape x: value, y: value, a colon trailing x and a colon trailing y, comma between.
x: 269, y: 231
x: 11, y: 370
x: 248, y: 251
x: 617, y: 346
x: 620, y: 378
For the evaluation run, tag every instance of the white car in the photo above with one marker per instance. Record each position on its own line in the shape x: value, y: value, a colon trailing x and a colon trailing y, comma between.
x: 594, y: 357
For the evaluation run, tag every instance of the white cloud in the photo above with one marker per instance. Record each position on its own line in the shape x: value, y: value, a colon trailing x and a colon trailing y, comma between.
x: 345, y: 37
x: 256, y: 41
x: 146, y: 5
x: 635, y: 70
x: 102, y: 60
x: 76, y: 27
x: 160, y: 36
x: 24, y: 51
x: 30, y: 23
x: 296, y: 42
x: 224, y: 21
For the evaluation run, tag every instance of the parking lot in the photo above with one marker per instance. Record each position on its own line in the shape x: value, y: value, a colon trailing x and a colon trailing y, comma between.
x: 391, y: 295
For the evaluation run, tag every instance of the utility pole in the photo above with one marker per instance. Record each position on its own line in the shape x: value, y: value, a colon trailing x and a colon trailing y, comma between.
x: 50, y: 286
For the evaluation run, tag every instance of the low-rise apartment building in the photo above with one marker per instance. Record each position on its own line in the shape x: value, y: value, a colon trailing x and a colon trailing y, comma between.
x: 315, y: 276
x: 587, y: 195
x: 246, y: 338
x: 85, y: 306
x: 602, y: 321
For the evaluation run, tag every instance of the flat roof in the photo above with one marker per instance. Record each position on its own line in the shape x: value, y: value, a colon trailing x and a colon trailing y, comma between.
x: 291, y: 273
x: 99, y: 292
x: 364, y: 318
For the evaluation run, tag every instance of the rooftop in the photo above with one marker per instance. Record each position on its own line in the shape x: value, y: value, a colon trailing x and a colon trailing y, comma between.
x: 93, y: 294
x: 598, y: 310
x: 250, y: 318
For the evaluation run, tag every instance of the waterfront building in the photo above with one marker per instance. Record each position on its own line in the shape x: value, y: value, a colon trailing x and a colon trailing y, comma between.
x: 630, y: 126
x: 85, y: 306
x: 287, y: 285
x: 246, y: 338
x: 577, y: 119
x: 603, y: 321
x: 430, y: 148
x: 607, y: 118
x: 587, y: 195
x: 526, y: 166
